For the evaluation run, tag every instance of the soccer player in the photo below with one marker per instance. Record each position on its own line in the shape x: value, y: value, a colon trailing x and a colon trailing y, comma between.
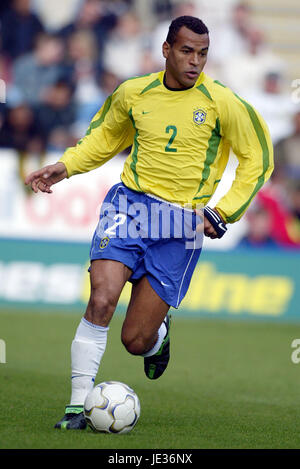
x: 181, y: 125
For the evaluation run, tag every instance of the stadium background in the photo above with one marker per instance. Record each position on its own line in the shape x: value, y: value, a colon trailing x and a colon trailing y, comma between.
x: 58, y: 63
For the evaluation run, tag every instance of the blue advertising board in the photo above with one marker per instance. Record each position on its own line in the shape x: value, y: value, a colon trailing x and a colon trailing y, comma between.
x: 255, y: 284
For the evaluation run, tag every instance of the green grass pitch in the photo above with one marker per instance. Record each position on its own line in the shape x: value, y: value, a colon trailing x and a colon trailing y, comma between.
x: 228, y: 385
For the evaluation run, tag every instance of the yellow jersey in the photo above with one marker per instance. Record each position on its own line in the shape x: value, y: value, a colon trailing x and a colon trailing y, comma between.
x: 181, y: 141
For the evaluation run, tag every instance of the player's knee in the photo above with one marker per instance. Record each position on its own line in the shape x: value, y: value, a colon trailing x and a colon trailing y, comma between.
x: 134, y: 344
x: 101, y: 307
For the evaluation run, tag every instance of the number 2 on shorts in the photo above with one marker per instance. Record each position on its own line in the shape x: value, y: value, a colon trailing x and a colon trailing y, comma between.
x: 119, y: 220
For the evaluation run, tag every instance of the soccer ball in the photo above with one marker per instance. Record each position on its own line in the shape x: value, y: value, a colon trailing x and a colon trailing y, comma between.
x: 112, y: 407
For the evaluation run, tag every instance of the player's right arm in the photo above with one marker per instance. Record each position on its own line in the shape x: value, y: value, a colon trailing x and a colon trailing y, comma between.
x: 109, y: 133
x: 43, y: 179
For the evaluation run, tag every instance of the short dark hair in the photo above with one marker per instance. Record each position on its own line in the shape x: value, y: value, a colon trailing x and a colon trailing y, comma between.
x: 190, y: 22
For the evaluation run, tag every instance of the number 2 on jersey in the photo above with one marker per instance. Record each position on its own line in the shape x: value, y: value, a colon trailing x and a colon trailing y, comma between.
x: 173, y: 129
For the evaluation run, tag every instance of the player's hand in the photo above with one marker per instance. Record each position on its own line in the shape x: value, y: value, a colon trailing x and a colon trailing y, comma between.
x: 210, y: 224
x: 215, y: 225
x: 43, y: 179
x: 209, y: 230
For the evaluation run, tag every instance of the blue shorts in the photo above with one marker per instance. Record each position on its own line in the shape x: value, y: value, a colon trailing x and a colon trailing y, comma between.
x: 150, y: 236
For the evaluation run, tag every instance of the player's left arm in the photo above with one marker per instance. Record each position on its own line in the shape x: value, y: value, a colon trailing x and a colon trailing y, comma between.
x: 246, y: 131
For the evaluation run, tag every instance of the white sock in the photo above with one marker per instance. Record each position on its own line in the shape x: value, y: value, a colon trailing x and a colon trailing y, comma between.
x: 87, y: 350
x: 161, y: 335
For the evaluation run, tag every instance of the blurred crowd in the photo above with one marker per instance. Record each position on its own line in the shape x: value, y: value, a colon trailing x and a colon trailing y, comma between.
x: 59, y: 70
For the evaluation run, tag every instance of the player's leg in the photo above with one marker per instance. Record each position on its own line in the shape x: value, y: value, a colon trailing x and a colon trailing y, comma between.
x: 164, y: 277
x: 145, y: 329
x: 107, y: 279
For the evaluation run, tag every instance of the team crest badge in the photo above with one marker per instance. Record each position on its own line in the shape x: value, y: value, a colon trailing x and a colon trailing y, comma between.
x: 199, y: 116
x: 104, y: 242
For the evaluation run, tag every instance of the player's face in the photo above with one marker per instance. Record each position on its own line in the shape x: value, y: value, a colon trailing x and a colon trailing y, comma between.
x: 186, y: 59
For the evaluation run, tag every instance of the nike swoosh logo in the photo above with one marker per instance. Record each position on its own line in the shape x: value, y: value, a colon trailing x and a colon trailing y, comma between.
x: 146, y: 112
x: 165, y: 284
